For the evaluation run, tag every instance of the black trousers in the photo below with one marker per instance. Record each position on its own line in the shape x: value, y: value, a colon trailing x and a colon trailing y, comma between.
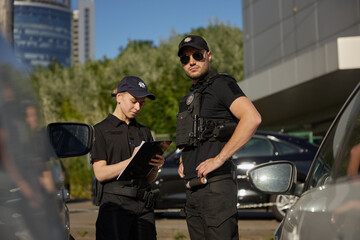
x: 211, y: 211
x: 127, y: 219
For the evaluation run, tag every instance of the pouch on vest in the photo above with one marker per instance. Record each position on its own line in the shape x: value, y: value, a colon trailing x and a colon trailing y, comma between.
x: 223, y: 132
x: 184, y: 129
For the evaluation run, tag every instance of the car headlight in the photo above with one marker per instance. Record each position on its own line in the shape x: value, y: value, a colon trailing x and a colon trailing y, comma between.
x: 241, y: 192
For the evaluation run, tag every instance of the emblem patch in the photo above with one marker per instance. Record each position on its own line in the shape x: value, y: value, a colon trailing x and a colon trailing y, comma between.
x: 190, y: 99
x: 142, y: 85
x: 188, y: 39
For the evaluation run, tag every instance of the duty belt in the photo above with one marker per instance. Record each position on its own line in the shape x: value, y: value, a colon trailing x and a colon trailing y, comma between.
x: 141, y: 193
x: 132, y: 188
x: 220, y: 177
x: 197, y: 182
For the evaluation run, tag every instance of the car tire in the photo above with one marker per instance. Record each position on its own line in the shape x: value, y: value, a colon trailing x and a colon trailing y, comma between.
x: 71, y: 237
x: 281, y: 204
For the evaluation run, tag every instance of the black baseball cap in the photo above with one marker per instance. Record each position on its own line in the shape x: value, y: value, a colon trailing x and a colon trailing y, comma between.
x: 135, y: 86
x: 194, y: 41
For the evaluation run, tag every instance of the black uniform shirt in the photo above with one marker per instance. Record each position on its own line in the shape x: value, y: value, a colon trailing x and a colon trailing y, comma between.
x: 216, y: 101
x: 115, y: 140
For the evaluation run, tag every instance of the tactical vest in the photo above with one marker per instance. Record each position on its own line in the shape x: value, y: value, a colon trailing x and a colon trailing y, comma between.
x: 192, y: 129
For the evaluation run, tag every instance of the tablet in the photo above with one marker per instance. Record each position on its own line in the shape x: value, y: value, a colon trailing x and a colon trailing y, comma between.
x: 139, y: 166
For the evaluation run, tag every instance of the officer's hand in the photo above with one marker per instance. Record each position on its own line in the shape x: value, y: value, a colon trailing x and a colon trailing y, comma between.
x: 208, y: 166
x: 157, y: 162
x: 181, y: 170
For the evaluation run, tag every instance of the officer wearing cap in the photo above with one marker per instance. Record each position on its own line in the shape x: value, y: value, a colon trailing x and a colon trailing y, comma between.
x: 126, y: 211
x: 215, y: 103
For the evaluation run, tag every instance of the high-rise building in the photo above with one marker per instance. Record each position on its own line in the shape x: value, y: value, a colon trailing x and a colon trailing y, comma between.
x: 42, y: 32
x: 75, y: 37
x: 83, y: 30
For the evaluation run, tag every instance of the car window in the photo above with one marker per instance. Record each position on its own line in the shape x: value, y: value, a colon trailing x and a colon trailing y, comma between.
x: 286, y: 148
x: 256, y: 146
x: 336, y: 157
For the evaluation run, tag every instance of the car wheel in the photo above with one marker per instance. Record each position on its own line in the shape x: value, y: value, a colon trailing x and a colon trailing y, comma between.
x: 281, y: 204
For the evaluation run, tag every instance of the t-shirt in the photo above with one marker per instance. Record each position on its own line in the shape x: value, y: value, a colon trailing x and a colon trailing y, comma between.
x: 216, y: 101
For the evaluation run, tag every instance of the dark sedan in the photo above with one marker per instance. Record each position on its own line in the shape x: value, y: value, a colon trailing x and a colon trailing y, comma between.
x: 262, y: 147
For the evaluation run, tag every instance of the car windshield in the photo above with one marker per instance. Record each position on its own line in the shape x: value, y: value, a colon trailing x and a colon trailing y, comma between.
x: 341, y: 142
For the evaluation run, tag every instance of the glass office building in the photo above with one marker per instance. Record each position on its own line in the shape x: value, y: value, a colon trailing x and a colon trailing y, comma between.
x: 42, y: 32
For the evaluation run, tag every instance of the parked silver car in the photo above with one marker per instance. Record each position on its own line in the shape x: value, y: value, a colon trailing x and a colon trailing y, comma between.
x: 329, y: 201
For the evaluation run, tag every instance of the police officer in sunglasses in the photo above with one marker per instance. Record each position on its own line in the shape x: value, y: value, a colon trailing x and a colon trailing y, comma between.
x: 214, y: 121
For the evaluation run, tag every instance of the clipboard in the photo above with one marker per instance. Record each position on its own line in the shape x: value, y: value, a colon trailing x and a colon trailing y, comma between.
x: 139, y: 166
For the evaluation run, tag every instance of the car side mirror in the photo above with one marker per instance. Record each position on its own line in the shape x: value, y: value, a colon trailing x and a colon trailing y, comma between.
x: 71, y: 139
x: 274, y: 177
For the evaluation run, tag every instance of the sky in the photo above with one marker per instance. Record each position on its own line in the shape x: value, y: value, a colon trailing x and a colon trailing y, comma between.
x: 117, y: 21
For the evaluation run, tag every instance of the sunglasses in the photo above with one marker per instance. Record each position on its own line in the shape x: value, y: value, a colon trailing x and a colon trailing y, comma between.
x: 198, y: 56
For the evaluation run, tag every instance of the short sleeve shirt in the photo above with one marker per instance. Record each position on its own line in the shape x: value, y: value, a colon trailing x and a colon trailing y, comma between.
x: 216, y: 101
x: 115, y: 140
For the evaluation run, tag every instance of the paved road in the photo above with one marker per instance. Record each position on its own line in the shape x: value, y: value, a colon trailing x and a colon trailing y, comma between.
x: 255, y: 225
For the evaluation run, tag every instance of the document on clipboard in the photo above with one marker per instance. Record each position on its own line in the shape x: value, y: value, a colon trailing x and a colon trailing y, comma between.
x: 139, y: 166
